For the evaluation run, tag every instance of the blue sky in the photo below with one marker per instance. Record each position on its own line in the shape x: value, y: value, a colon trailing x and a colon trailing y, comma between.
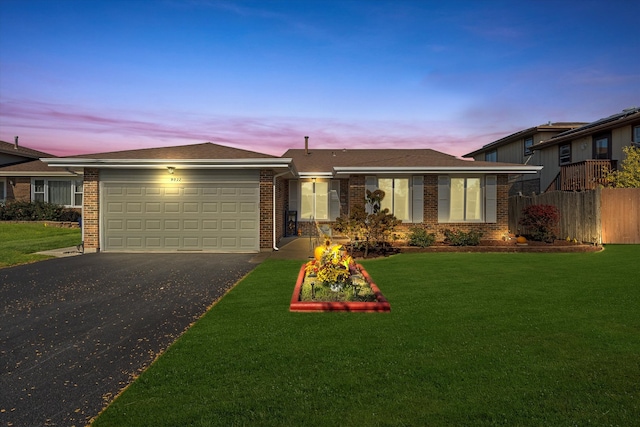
x: 90, y: 76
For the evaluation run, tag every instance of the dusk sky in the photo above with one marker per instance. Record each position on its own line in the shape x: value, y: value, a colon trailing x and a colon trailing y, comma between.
x: 87, y: 76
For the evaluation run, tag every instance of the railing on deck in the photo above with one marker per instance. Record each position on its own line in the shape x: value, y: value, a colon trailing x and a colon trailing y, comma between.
x: 581, y: 176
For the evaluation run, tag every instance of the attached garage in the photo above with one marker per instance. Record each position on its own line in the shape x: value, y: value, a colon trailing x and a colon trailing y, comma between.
x: 190, y: 210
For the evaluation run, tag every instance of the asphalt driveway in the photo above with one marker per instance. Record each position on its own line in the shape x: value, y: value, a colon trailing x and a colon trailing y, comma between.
x: 74, y: 331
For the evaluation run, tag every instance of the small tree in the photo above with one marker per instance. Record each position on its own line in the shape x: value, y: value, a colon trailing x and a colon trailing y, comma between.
x: 371, y: 227
x: 629, y: 174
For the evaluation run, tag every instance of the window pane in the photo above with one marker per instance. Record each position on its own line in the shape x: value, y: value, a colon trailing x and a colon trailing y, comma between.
x: 60, y: 192
x: 322, y: 200
x: 565, y: 154
x: 491, y: 156
x: 474, y: 192
x: 401, y: 199
x: 457, y: 200
x: 602, y: 148
x: 78, y: 199
x: 386, y: 185
x: 38, y: 186
x: 2, y: 195
x: 636, y: 134
x: 527, y: 146
x: 78, y: 186
x: 306, y: 199
x: 38, y: 197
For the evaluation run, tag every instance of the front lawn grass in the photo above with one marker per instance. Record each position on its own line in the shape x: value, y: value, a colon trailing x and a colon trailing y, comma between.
x: 20, y: 241
x: 472, y: 339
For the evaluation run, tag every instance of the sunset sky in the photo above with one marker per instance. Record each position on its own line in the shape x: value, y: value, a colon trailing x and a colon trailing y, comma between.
x: 91, y: 76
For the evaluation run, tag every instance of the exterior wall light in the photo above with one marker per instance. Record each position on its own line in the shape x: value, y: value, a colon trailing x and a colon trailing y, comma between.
x: 170, y: 169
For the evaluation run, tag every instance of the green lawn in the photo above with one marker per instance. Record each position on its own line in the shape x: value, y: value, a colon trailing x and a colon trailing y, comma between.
x: 20, y: 241
x: 472, y: 339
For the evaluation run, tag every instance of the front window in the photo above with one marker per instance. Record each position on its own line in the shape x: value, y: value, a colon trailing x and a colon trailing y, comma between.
x: 491, y: 156
x: 565, y: 154
x: 3, y: 190
x: 602, y: 147
x: 61, y: 192
x: 528, y: 143
x: 396, y: 197
x: 466, y: 200
x: 314, y: 200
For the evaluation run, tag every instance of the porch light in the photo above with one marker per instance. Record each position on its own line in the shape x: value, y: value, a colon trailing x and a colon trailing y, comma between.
x: 170, y: 169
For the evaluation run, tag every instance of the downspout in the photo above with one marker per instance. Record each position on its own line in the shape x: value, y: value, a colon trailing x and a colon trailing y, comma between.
x: 275, y: 248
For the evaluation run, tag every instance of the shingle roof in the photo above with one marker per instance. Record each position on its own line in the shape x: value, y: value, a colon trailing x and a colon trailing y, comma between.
x: 323, y: 160
x: 8, y: 148
x: 549, y: 127
x: 616, y: 120
x: 33, y: 168
x: 205, y: 150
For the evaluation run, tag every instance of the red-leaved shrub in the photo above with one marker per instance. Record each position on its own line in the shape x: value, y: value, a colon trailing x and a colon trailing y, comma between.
x: 541, y: 222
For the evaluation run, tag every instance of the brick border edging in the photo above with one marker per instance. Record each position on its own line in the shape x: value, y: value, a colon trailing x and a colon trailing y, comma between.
x: 381, y: 305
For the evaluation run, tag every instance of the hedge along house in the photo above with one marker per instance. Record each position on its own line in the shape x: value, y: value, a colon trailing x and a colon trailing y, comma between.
x: 422, y: 187
x: 208, y: 197
x: 203, y: 197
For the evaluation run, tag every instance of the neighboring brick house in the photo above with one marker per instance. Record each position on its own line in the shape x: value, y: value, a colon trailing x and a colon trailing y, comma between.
x: 518, y: 148
x: 208, y: 197
x: 24, y: 177
x: 577, y: 159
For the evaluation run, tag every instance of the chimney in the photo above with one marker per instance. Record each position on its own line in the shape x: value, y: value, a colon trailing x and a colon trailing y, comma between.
x: 15, y: 142
x: 306, y: 145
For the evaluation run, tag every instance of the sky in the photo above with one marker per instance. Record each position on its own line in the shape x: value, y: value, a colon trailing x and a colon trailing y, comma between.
x: 90, y: 76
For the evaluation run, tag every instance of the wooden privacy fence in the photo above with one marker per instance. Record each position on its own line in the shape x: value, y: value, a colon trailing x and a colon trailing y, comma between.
x: 603, y: 215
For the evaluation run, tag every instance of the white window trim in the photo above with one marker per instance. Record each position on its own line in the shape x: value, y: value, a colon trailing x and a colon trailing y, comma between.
x: 488, y: 199
x: 332, y: 198
x: 415, y: 196
x: 46, y: 180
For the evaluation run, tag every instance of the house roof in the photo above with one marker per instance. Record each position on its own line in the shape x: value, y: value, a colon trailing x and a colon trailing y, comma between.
x: 324, y: 162
x: 549, y: 127
x: 27, y: 153
x: 36, y: 168
x: 614, y: 121
x: 205, y: 155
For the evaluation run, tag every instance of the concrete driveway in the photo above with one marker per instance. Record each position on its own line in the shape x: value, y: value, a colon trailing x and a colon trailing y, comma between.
x: 74, y: 331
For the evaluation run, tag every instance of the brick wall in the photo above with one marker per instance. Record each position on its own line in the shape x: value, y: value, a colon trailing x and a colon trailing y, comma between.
x: 20, y: 190
x: 266, y: 209
x: 356, y: 191
x: 91, y: 210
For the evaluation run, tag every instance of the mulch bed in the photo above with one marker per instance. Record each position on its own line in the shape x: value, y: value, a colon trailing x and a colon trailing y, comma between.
x: 559, y: 246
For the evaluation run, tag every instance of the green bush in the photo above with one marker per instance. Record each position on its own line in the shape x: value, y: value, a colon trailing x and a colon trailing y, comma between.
x: 462, y: 238
x: 419, y: 237
x: 36, y: 211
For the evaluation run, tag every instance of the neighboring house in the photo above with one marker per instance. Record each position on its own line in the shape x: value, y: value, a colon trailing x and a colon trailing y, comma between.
x: 578, y: 159
x: 518, y: 148
x: 208, y: 197
x: 24, y: 177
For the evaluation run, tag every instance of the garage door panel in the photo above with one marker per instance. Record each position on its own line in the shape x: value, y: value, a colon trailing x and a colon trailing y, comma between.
x: 204, y: 216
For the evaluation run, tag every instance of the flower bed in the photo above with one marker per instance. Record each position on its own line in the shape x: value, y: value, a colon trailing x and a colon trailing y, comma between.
x: 334, y: 282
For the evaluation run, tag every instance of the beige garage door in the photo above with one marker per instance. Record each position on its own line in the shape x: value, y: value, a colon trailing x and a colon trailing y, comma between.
x: 156, y: 217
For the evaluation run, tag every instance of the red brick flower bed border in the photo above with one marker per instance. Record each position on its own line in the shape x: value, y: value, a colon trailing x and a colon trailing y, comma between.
x: 381, y: 305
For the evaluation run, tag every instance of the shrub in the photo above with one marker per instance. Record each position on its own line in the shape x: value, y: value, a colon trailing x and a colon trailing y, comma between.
x: 541, y: 222
x: 36, y: 211
x: 462, y: 238
x: 419, y: 237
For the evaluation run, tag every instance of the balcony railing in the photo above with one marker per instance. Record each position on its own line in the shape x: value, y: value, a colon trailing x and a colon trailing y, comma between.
x: 580, y: 176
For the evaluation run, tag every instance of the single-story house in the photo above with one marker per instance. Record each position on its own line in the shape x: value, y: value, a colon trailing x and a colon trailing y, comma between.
x: 24, y: 177
x: 209, y: 197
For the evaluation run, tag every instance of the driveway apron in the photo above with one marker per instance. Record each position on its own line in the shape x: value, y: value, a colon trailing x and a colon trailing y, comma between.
x: 75, y: 331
